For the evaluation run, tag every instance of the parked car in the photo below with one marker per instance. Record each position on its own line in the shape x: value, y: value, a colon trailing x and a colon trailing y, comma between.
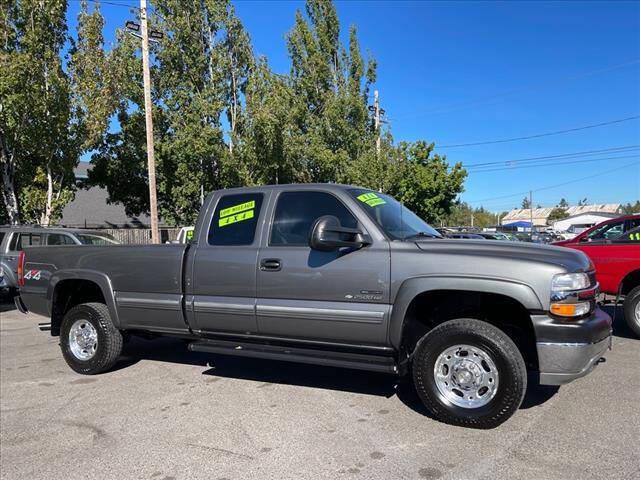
x: 13, y: 239
x: 511, y: 236
x: 493, y: 236
x: 466, y: 235
x: 617, y: 263
x: 334, y: 275
x: 185, y: 235
x: 607, y: 230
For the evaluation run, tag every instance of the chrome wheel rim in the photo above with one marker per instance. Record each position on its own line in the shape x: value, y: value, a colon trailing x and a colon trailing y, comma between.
x: 466, y: 376
x: 638, y: 312
x: 83, y: 340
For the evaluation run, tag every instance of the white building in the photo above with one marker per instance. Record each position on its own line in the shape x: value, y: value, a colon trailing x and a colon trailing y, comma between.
x: 582, y: 221
x: 540, y: 215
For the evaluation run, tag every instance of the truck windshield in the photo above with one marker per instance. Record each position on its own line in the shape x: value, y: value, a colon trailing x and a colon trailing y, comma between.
x: 397, y: 221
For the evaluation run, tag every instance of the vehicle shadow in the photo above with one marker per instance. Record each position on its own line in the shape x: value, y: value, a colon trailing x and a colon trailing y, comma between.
x: 620, y: 327
x: 287, y: 373
x: 7, y: 305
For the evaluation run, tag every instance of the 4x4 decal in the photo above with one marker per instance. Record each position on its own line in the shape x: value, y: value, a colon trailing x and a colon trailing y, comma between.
x: 237, y: 213
x: 32, y: 275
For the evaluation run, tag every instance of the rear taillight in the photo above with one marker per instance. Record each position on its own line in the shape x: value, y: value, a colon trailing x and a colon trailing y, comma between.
x: 21, y: 269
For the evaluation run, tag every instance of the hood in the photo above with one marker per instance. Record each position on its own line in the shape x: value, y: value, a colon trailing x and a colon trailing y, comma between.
x: 569, y: 259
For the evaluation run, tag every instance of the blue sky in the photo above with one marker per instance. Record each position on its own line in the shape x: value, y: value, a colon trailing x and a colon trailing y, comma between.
x: 466, y: 72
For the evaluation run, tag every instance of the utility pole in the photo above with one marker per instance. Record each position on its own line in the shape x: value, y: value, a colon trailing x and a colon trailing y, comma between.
x: 531, y: 208
x: 151, y: 161
x: 376, y: 120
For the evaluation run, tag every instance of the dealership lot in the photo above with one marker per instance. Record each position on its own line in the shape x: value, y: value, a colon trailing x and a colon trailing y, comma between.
x: 166, y: 413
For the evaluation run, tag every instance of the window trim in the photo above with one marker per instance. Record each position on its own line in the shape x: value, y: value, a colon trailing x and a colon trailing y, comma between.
x: 256, y: 236
x: 275, y: 206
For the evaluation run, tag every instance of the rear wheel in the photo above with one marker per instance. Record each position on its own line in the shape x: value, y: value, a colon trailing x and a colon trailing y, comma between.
x: 632, y: 310
x: 469, y: 373
x: 89, y: 341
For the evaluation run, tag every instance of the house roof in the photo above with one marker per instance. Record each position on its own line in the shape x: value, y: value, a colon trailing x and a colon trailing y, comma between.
x: 90, y: 209
x: 543, y: 213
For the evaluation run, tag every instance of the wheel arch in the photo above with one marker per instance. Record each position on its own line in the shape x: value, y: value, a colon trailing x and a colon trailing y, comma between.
x: 482, y: 297
x: 72, y: 287
x: 630, y: 281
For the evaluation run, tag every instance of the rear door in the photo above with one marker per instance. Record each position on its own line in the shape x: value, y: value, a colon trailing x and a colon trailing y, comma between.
x: 338, y: 296
x: 221, y: 285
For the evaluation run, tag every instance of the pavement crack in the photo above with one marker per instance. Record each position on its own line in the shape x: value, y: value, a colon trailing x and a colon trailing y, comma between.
x: 221, y: 450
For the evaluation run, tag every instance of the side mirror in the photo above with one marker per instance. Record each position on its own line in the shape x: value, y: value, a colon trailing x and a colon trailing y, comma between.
x: 328, y: 234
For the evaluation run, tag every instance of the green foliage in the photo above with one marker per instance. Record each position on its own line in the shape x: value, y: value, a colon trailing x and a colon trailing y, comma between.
x: 462, y: 213
x: 630, y: 208
x: 526, y: 203
x: 38, y: 131
x: 556, y: 214
x: 222, y: 117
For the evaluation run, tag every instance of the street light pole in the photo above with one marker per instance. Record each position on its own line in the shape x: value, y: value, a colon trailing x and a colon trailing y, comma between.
x: 151, y: 162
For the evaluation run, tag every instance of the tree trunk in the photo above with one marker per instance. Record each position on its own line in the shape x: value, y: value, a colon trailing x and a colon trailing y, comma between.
x: 8, y: 167
x: 45, y: 219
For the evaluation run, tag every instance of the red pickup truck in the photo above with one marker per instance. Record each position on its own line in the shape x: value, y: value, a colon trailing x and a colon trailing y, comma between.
x: 617, y: 262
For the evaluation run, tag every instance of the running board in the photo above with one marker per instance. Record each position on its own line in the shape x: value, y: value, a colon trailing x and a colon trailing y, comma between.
x: 359, y: 361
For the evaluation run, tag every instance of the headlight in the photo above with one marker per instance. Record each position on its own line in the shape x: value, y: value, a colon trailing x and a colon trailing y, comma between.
x: 570, y: 281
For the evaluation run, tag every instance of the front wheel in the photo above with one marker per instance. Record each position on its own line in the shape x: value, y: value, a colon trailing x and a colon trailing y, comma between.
x: 632, y: 310
x: 89, y: 341
x: 469, y: 373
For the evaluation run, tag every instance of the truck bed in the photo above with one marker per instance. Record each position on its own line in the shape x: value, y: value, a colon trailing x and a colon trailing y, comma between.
x: 146, y: 280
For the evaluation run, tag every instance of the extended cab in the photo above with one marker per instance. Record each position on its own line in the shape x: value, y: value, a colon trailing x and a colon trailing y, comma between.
x: 335, y: 275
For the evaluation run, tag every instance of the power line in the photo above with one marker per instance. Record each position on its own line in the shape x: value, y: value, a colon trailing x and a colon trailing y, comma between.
x: 556, y: 156
x: 555, y: 164
x: 115, y: 4
x: 557, y: 185
x: 562, y: 156
x: 538, y: 135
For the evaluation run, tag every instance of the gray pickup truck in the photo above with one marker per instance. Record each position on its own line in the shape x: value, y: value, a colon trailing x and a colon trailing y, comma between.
x: 341, y: 276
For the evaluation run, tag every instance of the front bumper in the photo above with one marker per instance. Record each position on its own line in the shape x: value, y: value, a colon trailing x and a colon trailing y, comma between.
x: 570, y: 350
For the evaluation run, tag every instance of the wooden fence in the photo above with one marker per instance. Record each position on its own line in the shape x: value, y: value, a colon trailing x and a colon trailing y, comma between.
x: 139, y: 236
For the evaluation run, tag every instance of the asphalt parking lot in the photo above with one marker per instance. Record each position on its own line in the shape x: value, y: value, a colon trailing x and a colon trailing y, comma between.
x: 166, y: 413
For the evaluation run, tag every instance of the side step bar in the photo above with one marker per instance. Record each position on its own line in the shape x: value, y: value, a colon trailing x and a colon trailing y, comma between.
x: 359, y: 361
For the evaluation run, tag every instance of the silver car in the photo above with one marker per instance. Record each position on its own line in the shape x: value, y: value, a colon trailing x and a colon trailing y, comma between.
x: 13, y: 239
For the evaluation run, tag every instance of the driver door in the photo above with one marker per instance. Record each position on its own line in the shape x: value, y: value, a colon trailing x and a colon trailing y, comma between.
x: 340, y: 296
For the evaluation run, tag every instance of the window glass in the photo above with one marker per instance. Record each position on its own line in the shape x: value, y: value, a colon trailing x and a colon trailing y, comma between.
x: 1, y: 236
x: 95, y: 239
x: 397, y: 221
x: 297, y: 211
x: 59, y: 239
x: 632, y: 236
x: 20, y: 241
x: 631, y: 224
x: 35, y: 239
x: 606, y: 232
x: 235, y: 219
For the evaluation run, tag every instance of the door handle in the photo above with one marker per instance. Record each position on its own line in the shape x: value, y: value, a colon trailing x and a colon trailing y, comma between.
x: 270, y: 264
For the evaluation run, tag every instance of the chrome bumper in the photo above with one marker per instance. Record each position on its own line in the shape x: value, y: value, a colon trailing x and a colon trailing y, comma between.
x: 562, y: 363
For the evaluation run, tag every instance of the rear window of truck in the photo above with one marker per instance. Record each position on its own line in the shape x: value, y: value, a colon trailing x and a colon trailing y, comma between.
x: 235, y: 219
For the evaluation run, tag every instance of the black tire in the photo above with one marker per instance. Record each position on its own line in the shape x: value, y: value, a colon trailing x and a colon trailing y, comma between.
x: 506, y: 357
x: 630, y: 305
x: 110, y: 341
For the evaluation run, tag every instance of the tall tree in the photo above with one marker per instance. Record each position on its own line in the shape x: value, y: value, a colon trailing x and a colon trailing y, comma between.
x: 238, y: 63
x: 39, y: 144
x: 526, y: 204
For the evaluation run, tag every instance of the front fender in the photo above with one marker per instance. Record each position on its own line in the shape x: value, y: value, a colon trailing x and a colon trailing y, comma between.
x: 100, y: 279
x: 413, y: 287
